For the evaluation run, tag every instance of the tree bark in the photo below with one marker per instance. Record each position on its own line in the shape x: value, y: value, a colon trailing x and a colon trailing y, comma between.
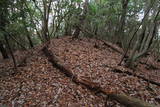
x: 3, y: 51
x: 135, y: 56
x: 32, y: 21
x: 81, y: 20
x: 46, y: 12
x: 25, y: 25
x: 29, y: 38
x: 136, y: 45
x: 3, y: 22
x: 10, y: 50
x: 120, y: 32
x: 76, y: 32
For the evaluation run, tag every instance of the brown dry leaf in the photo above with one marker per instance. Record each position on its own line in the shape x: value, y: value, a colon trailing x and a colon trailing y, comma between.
x: 38, y: 83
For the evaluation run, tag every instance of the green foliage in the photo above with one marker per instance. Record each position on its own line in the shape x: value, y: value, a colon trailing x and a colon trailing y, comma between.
x: 102, y: 18
x: 77, y: 1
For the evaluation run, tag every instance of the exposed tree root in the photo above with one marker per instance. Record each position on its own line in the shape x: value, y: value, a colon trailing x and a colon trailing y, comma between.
x: 122, y: 99
x: 150, y: 66
x: 135, y: 75
x: 129, y: 101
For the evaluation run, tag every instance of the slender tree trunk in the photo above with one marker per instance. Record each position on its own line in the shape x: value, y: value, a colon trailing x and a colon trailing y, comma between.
x: 82, y: 20
x: 141, y: 37
x: 27, y: 34
x: 32, y: 21
x: 25, y: 25
x: 68, y: 31
x: 154, y: 35
x: 29, y: 38
x: 3, y: 51
x: 46, y: 9
x: 3, y: 22
x: 148, y: 41
x: 120, y: 32
x: 18, y: 43
x: 76, y: 32
x: 30, y: 41
x: 136, y: 45
x: 144, y: 33
x: 10, y: 50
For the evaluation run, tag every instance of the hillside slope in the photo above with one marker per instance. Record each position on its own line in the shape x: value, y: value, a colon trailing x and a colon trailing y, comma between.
x: 38, y: 83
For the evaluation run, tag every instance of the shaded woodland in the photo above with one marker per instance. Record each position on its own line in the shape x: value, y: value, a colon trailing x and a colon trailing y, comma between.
x: 80, y: 53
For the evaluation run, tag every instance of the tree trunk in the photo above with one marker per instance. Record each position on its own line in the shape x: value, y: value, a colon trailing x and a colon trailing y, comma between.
x: 10, y: 50
x: 154, y: 35
x: 148, y: 39
x: 130, y: 59
x: 29, y: 38
x: 76, y: 32
x: 120, y: 32
x: 3, y: 51
x: 46, y: 9
x: 68, y: 31
x: 30, y: 41
x: 32, y: 21
x: 82, y: 20
x: 25, y: 25
x: 27, y: 34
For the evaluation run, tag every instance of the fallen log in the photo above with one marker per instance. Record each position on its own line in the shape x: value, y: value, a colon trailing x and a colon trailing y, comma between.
x: 129, y: 101
x: 121, y: 98
x: 135, y: 75
x: 106, y: 43
x: 112, y: 46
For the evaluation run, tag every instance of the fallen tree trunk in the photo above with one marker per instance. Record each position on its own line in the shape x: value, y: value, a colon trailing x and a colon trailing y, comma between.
x: 112, y: 46
x: 129, y: 101
x: 106, y: 43
x: 122, y: 99
x: 135, y: 75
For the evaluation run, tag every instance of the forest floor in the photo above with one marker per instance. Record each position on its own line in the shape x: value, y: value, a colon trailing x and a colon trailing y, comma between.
x: 37, y: 83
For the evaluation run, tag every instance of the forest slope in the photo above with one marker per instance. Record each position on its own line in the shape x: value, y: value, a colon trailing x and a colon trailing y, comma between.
x: 37, y: 82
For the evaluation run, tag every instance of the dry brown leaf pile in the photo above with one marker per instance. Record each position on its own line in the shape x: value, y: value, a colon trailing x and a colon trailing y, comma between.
x: 39, y: 84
